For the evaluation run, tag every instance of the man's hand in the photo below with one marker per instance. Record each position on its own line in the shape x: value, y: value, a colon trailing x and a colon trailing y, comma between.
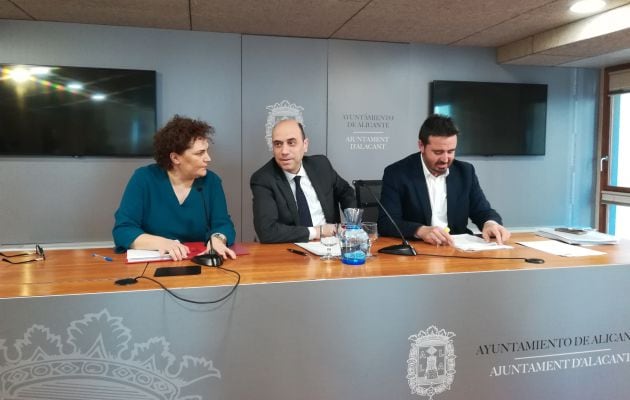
x: 492, y: 229
x: 434, y: 235
x: 326, y: 230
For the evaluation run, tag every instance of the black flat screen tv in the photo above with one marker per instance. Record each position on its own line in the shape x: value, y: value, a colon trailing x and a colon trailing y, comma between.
x: 76, y: 111
x: 494, y: 118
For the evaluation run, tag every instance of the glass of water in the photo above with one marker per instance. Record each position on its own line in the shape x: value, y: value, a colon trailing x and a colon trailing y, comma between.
x: 328, y: 241
x: 371, y: 229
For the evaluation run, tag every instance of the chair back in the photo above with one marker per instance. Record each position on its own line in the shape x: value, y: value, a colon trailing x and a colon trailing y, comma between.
x: 365, y: 191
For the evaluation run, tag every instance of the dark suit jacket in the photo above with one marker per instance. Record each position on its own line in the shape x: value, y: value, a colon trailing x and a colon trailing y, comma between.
x: 275, y: 209
x: 404, y: 194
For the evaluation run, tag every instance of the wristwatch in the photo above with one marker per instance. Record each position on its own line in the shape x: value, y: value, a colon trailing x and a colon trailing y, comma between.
x: 220, y: 236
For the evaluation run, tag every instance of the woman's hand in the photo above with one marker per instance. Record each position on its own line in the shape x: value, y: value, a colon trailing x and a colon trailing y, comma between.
x: 173, y: 248
x: 220, y: 248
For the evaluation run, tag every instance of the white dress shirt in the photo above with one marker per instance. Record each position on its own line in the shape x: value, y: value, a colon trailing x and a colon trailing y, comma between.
x: 317, y: 213
x: 436, y: 186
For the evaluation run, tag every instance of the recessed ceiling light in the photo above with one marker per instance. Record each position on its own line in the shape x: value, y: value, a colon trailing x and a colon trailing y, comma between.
x: 587, y: 6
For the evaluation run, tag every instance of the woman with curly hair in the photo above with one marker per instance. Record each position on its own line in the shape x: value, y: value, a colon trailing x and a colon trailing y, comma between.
x: 177, y: 199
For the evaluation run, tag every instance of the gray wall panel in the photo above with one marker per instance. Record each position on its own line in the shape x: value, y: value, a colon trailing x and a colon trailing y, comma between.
x: 69, y: 200
x: 274, y: 70
x: 527, y: 191
x: 368, y: 102
x: 200, y: 74
x: 395, y: 79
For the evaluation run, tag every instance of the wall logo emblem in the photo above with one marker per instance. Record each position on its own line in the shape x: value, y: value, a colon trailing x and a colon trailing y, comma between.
x: 281, y: 111
x: 97, y: 359
x: 431, y: 363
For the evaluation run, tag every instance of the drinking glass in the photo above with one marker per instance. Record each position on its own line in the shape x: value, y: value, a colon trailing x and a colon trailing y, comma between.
x: 329, y: 242
x: 372, y: 231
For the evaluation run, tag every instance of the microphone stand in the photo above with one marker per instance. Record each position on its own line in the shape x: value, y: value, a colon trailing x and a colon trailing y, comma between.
x: 403, y: 249
x: 211, y: 259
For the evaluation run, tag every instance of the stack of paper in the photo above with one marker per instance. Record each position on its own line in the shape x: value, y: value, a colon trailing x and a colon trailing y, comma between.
x: 319, y: 249
x: 134, y: 256
x: 585, y: 237
x: 561, y: 249
x: 468, y: 242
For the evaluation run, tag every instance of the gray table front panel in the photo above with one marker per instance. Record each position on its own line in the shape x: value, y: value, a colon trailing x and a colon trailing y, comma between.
x: 336, y: 339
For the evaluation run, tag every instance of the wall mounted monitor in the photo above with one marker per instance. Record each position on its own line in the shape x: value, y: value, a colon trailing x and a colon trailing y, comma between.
x: 76, y: 111
x: 494, y: 118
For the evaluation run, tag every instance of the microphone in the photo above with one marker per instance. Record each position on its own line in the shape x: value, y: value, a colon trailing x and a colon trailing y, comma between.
x: 211, y: 259
x: 404, y: 249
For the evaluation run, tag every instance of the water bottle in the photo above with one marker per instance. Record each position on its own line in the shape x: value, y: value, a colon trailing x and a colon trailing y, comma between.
x: 353, y: 240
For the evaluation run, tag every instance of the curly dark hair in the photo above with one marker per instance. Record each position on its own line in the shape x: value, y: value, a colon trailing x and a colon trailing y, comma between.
x: 177, y: 136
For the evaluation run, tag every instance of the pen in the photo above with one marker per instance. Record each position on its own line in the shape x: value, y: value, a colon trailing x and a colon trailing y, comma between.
x: 103, y: 257
x: 297, y: 252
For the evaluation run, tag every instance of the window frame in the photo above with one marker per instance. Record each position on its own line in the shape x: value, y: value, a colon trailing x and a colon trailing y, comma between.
x: 607, y: 194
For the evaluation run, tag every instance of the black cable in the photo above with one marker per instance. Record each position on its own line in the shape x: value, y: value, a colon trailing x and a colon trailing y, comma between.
x: 16, y: 255
x: 22, y: 262
x: 143, y: 271
x: 238, y: 280
x: 529, y: 260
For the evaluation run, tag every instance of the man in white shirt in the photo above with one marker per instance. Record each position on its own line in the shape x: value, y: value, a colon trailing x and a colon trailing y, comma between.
x: 431, y: 195
x: 296, y: 196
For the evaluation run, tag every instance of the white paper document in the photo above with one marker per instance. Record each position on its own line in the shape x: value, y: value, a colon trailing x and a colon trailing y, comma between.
x: 561, y: 249
x: 583, y: 237
x: 468, y: 242
x: 319, y: 249
x: 134, y: 255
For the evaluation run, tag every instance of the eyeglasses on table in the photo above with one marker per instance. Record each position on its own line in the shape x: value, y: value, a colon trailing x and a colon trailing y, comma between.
x: 39, y: 256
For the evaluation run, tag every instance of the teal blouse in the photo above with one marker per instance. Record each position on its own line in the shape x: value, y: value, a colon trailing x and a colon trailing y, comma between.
x: 149, y: 205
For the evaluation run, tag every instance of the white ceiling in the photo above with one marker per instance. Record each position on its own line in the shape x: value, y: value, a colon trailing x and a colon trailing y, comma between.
x: 529, y: 32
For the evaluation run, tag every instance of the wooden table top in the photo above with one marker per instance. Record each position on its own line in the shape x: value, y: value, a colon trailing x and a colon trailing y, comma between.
x: 77, y: 271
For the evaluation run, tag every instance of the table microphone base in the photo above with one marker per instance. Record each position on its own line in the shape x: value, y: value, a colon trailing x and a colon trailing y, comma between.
x: 399, y: 250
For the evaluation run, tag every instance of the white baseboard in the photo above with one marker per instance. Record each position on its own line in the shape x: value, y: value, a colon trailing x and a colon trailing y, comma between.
x: 57, y: 246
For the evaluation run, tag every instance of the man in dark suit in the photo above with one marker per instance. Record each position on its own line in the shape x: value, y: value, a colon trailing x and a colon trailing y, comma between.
x: 297, y: 197
x: 430, y: 194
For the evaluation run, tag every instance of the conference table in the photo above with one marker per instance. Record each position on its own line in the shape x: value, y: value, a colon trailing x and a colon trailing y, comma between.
x: 445, y: 324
